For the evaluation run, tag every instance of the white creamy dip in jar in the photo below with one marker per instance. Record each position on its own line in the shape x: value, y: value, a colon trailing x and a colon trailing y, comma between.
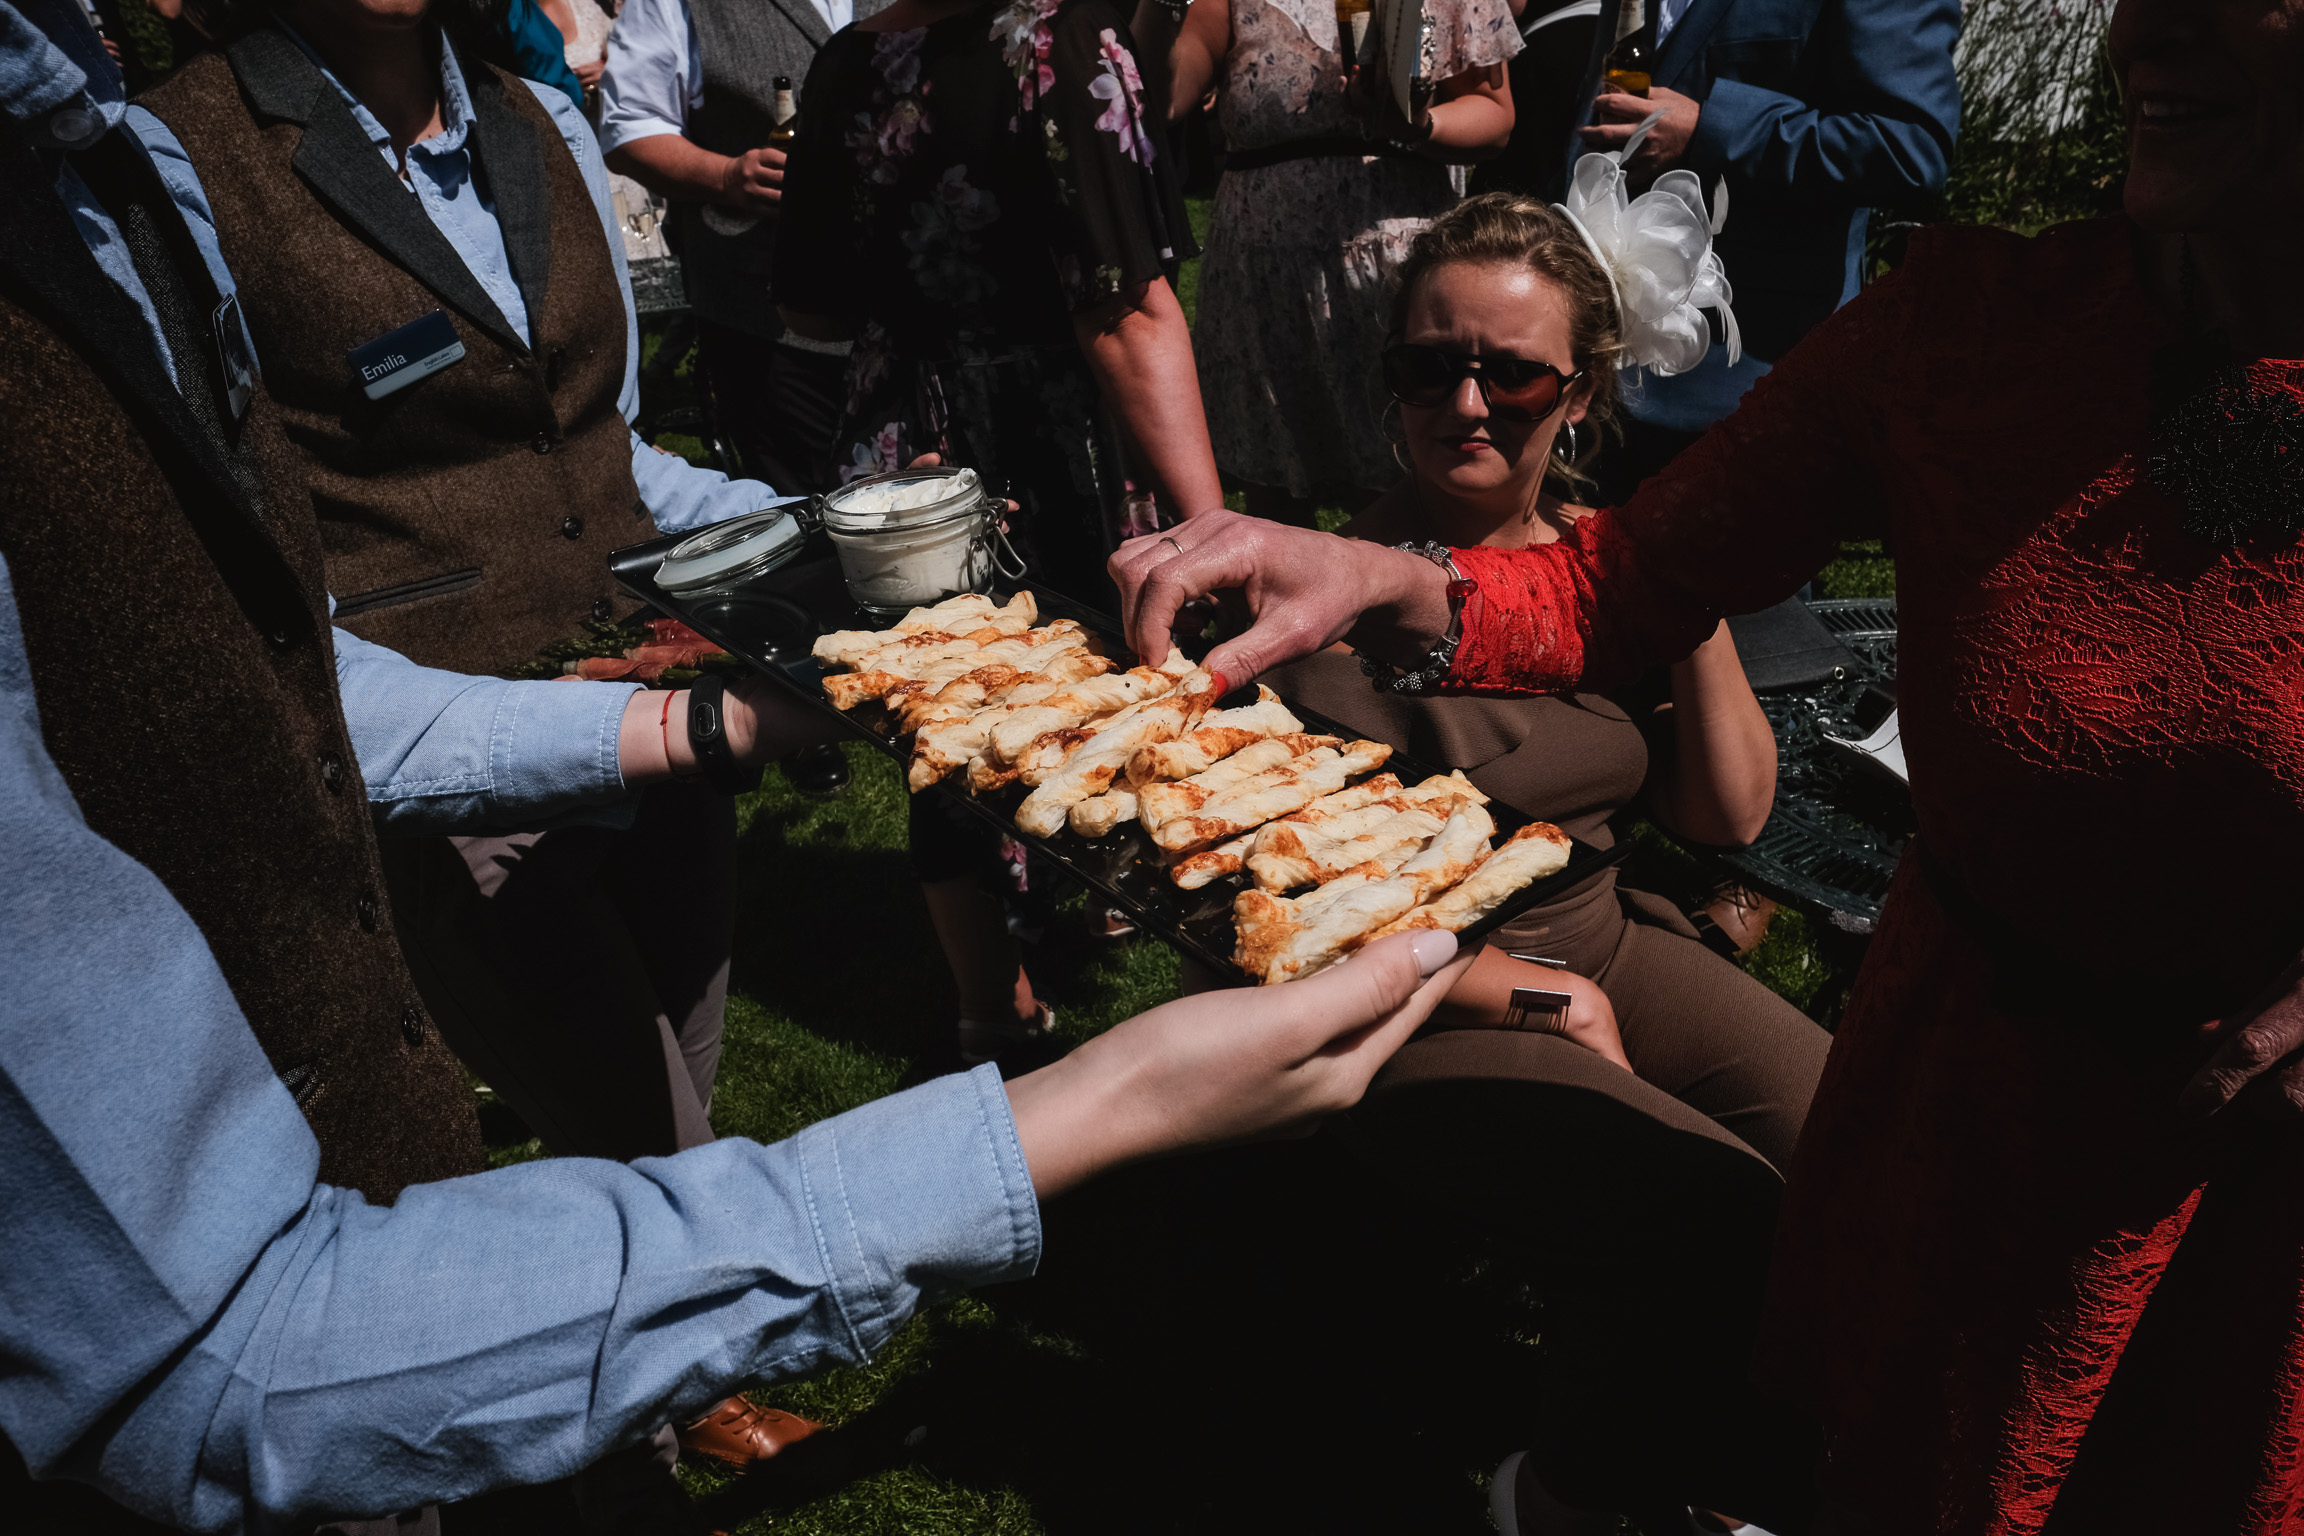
x: 912, y: 537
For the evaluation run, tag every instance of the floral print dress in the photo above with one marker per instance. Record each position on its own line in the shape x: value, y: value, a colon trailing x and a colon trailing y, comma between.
x: 1296, y: 290
x: 961, y: 190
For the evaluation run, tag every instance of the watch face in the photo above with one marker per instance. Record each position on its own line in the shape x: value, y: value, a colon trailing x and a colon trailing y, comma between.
x: 703, y: 721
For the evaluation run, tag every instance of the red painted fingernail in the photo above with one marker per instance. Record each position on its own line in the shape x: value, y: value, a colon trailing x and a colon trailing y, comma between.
x: 1222, y: 687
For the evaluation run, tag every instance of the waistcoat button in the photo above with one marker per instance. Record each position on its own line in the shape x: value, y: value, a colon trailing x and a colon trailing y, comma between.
x: 332, y: 771
x: 365, y: 908
x: 412, y: 1025
x: 602, y: 609
x: 543, y: 443
x: 571, y: 527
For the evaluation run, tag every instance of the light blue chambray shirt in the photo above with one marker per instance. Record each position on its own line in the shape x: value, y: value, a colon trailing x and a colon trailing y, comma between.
x: 679, y: 495
x: 192, y: 1323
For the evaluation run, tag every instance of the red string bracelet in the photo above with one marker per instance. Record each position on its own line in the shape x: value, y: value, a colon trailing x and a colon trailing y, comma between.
x: 664, y: 729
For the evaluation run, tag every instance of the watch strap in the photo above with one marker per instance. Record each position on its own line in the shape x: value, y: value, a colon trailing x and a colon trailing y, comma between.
x: 708, y: 738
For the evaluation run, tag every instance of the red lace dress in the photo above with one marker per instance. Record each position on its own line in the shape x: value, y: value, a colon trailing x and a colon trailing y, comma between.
x: 2022, y: 1291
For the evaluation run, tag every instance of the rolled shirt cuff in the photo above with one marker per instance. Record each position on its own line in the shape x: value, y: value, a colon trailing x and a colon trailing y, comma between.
x: 919, y: 1196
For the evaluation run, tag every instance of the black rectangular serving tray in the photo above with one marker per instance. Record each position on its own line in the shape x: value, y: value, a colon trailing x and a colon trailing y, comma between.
x: 772, y: 624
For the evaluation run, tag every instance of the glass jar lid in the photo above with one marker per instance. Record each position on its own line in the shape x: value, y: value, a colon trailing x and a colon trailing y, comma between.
x: 733, y: 551
x: 903, y: 498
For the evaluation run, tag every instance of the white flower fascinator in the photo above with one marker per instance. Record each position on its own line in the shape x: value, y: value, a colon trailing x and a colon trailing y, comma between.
x: 1657, y: 251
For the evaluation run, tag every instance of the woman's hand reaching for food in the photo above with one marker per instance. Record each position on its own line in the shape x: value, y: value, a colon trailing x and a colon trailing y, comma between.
x: 2260, y: 1054
x: 1305, y: 591
x: 1229, y: 1065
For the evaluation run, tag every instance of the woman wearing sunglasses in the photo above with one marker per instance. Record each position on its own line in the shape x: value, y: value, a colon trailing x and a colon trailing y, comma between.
x: 1503, y: 371
x: 1503, y: 365
x: 1505, y: 349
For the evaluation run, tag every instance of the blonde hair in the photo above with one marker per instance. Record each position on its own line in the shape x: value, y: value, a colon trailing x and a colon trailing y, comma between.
x: 1508, y: 229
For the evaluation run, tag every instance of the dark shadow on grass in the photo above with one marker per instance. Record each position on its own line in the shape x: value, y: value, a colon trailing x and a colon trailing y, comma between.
x: 834, y: 936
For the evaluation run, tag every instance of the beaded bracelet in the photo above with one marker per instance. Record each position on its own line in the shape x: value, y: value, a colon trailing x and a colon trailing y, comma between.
x: 1386, y: 678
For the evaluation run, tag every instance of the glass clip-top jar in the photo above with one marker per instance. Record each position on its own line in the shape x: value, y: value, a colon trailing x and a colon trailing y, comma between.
x: 911, y: 537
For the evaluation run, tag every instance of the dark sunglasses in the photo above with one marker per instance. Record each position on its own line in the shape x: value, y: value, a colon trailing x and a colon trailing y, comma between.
x: 1514, y: 388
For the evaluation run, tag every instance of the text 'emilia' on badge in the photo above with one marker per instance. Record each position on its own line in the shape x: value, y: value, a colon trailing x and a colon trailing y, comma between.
x: 399, y: 358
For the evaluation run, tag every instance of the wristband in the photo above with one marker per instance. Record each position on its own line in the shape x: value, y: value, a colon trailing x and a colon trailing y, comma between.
x: 708, y: 738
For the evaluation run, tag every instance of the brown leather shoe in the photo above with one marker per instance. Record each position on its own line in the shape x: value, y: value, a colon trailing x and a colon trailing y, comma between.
x: 743, y: 1433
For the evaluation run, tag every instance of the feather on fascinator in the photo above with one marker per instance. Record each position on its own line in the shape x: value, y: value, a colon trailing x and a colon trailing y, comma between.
x: 1657, y: 251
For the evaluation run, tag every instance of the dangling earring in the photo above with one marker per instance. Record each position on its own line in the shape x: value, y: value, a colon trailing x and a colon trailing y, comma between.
x: 1395, y: 440
x: 1568, y: 454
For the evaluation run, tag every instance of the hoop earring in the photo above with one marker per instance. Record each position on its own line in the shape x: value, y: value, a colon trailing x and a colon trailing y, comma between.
x: 1395, y: 440
x: 1567, y: 455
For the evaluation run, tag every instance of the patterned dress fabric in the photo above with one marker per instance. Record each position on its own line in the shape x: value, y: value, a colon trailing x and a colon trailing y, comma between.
x: 1296, y: 290
x: 2026, y: 1294
x: 962, y: 190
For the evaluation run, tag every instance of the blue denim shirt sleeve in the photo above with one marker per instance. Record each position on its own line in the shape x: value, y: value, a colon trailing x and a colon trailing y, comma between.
x: 679, y: 495
x: 446, y: 752
x: 194, y: 1325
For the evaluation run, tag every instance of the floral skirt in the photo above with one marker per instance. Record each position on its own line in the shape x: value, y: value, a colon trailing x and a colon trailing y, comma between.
x: 1295, y: 305
x: 1029, y: 420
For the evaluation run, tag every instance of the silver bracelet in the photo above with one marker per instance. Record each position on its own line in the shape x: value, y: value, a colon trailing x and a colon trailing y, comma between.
x: 1386, y: 678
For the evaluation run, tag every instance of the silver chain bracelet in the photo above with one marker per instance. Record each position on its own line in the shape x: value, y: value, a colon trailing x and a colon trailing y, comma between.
x: 1386, y: 678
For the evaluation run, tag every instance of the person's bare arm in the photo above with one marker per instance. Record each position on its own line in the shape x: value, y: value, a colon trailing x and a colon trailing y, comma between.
x: 1719, y: 783
x: 1229, y: 1065
x: 763, y: 723
x: 1472, y: 115
x: 667, y: 164
x: 1469, y: 118
x: 1194, y: 51
x: 1140, y: 351
x: 1482, y: 996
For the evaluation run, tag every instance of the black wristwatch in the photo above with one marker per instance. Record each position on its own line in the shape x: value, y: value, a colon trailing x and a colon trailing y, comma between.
x: 708, y: 738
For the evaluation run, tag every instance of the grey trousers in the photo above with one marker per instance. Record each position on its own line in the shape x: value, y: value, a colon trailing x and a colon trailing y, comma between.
x: 582, y: 973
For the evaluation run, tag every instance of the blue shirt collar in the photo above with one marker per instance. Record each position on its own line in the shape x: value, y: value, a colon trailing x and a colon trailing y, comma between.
x: 57, y: 83
x: 455, y: 100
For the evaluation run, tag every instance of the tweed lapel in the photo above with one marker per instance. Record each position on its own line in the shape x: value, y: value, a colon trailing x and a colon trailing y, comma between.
x: 809, y: 24
x: 338, y: 162
x: 504, y: 145
x: 44, y: 259
x: 1688, y: 40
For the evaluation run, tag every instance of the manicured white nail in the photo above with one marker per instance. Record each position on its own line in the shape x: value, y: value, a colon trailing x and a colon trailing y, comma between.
x: 1434, y: 949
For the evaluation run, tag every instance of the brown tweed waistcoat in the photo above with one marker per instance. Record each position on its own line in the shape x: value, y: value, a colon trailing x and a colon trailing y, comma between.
x: 179, y: 650
x: 466, y: 518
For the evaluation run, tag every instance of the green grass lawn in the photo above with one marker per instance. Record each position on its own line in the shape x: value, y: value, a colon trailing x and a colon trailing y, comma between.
x: 1257, y: 1341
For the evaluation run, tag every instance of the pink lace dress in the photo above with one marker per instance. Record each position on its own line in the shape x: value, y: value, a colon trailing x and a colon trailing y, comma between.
x: 2024, y: 1293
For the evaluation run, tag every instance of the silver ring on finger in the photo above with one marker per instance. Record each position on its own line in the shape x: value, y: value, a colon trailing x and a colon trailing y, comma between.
x: 1171, y: 543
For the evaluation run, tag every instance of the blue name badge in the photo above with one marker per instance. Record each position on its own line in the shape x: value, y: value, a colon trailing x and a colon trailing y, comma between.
x: 399, y: 358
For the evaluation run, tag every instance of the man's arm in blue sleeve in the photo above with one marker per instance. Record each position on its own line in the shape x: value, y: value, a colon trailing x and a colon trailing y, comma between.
x: 193, y: 1325
x: 1894, y: 106
x: 679, y: 495
x: 446, y: 752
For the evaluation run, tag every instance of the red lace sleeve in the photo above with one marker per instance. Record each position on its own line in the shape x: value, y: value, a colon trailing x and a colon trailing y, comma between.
x: 1736, y: 523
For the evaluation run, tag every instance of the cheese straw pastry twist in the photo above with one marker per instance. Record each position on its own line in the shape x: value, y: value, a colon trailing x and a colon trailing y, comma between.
x: 1187, y: 818
x: 1280, y: 940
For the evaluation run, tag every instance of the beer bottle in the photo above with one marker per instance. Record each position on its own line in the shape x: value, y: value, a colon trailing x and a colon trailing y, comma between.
x: 1351, y: 30
x: 787, y: 115
x: 1629, y: 64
